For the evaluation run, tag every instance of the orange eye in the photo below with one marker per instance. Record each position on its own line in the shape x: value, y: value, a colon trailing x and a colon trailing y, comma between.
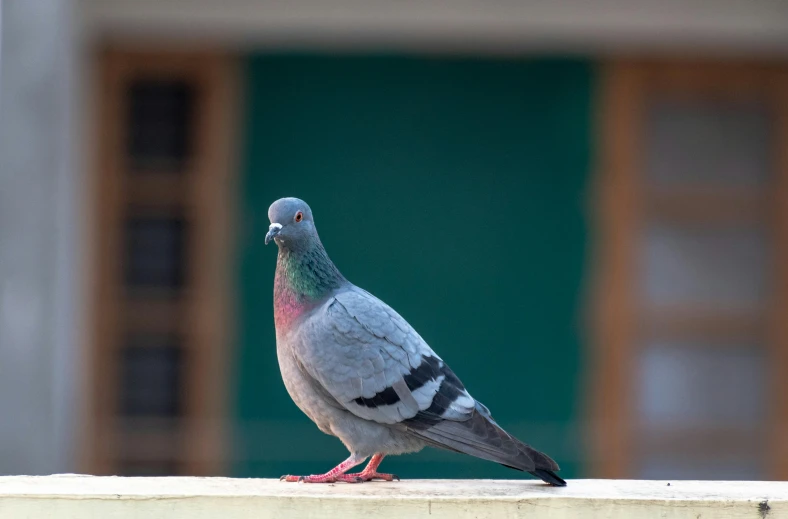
x: 299, y: 216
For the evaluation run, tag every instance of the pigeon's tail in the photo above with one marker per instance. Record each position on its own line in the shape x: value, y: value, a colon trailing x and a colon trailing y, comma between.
x: 481, y: 437
x: 548, y: 476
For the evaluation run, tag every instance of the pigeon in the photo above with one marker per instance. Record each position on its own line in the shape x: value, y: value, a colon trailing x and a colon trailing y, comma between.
x: 358, y: 370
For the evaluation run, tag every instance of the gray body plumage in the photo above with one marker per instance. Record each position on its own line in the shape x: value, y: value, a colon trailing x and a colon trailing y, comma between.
x: 357, y: 369
x: 304, y: 359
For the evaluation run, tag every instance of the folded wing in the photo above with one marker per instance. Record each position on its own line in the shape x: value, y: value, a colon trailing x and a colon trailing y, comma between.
x: 378, y: 367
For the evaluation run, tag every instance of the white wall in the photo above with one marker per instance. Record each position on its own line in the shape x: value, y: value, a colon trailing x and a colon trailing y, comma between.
x: 39, y: 303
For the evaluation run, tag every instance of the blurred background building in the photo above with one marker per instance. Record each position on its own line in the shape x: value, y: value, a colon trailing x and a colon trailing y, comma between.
x: 582, y: 205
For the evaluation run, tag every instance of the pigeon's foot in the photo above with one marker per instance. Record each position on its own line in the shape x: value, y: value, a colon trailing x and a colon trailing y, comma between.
x: 332, y: 476
x: 369, y: 473
x: 367, y: 476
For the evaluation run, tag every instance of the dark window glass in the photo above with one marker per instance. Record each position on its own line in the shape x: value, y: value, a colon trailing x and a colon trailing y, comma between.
x: 708, y: 144
x: 161, y: 115
x: 155, y: 252
x: 152, y: 372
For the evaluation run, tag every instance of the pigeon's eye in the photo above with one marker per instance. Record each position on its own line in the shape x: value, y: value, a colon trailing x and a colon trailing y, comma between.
x: 299, y: 216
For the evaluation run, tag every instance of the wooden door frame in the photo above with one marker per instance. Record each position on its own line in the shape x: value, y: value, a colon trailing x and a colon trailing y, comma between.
x: 619, y: 213
x: 209, y: 199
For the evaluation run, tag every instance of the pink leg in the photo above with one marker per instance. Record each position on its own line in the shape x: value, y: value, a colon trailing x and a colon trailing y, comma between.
x: 370, y: 472
x: 331, y: 476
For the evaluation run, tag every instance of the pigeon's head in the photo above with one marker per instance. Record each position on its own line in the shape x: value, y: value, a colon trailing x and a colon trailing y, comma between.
x: 291, y: 226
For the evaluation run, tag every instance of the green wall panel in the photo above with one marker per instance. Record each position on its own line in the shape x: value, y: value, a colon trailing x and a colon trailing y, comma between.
x: 453, y: 189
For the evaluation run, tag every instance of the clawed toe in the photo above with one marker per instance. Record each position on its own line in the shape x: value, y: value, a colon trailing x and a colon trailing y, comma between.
x: 362, y: 477
x: 292, y: 479
x: 384, y: 477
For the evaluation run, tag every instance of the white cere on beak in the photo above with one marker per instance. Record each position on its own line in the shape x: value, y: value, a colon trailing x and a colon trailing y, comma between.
x: 273, y: 231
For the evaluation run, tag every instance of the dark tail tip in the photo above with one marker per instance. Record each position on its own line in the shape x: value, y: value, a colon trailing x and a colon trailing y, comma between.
x: 548, y: 476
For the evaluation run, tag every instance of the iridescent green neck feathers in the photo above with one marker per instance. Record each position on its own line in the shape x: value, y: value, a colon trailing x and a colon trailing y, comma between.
x: 303, y: 279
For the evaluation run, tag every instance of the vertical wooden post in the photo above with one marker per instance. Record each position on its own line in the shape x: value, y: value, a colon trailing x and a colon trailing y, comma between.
x: 203, y: 192
x: 778, y: 383
x: 617, y: 227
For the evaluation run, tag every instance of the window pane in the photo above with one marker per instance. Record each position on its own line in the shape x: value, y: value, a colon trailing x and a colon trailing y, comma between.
x: 708, y: 143
x: 684, y: 385
x: 151, y: 370
x: 155, y: 252
x: 160, y: 122
x: 716, y: 267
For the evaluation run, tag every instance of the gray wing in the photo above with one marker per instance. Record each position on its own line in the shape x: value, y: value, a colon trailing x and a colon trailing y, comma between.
x: 374, y: 363
x: 378, y: 367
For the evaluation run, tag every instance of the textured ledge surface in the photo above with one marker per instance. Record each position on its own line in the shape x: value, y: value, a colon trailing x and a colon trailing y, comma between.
x: 74, y: 496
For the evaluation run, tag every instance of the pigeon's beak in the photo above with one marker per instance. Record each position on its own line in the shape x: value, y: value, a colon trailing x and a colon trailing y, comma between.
x: 273, y: 232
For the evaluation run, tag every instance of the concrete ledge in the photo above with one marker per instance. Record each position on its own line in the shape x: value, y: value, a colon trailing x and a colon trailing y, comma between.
x: 89, y: 497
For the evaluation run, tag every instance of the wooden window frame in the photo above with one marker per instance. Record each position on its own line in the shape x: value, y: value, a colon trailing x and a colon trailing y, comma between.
x: 205, y: 191
x: 621, y: 205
